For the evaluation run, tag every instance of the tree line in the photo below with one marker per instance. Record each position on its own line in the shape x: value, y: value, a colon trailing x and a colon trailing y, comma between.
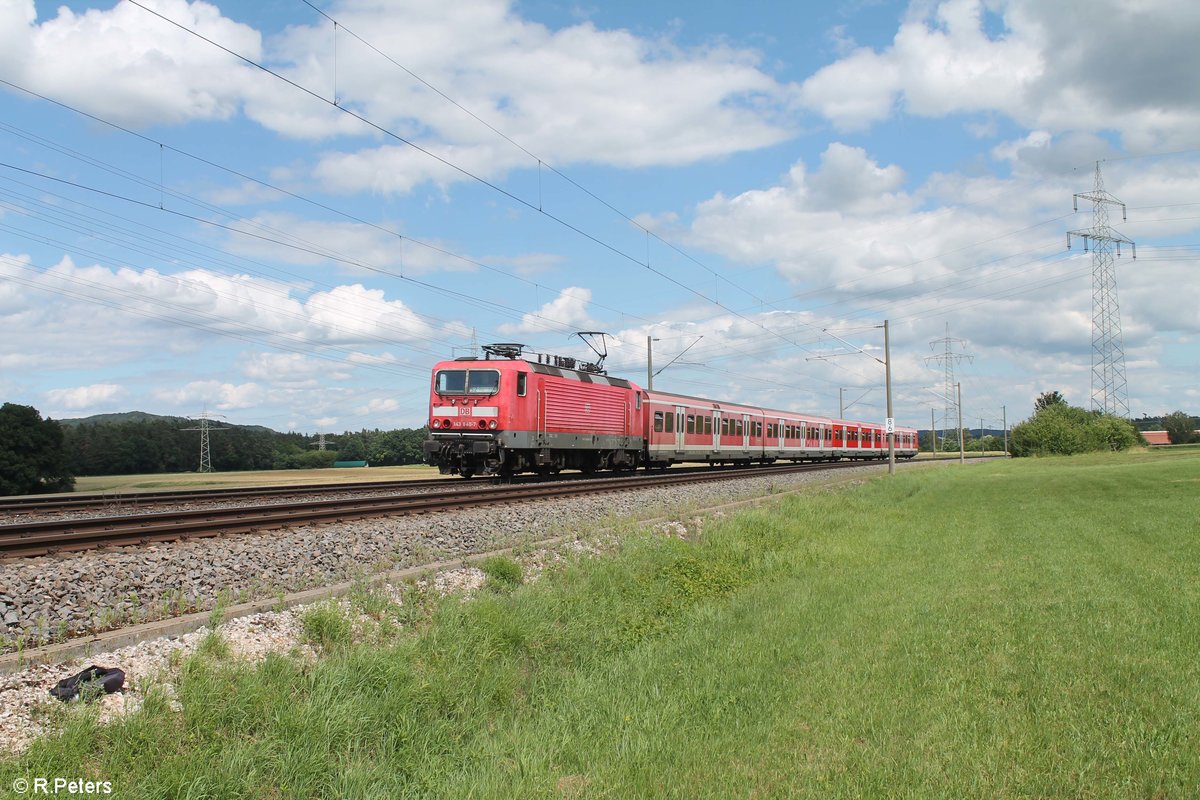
x: 44, y: 455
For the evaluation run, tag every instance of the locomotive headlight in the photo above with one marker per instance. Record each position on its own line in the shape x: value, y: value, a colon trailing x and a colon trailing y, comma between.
x: 446, y: 423
x: 434, y: 424
x: 492, y: 424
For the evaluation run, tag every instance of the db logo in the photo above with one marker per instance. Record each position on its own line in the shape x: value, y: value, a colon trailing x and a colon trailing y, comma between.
x: 464, y: 411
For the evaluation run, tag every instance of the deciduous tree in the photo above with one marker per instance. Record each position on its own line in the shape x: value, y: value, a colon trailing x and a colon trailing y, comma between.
x: 1180, y: 427
x: 32, y: 458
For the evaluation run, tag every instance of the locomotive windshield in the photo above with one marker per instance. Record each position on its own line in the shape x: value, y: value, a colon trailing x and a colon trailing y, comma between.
x: 468, y: 381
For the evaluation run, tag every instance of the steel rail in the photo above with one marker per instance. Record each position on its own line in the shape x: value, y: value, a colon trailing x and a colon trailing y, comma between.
x: 46, y: 537
x: 89, y: 500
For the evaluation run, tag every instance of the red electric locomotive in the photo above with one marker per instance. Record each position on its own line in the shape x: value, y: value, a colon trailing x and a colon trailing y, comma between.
x: 506, y: 415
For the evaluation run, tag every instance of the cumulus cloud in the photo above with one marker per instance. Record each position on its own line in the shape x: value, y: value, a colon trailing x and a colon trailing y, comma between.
x: 1041, y: 64
x: 129, y: 65
x: 574, y: 94
x: 293, y: 370
x: 213, y: 394
x: 354, y: 314
x: 97, y: 395
x: 198, y: 301
x: 850, y: 233
x: 567, y: 312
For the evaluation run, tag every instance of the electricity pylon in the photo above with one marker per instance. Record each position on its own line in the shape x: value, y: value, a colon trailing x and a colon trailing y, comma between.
x: 1110, y: 393
x: 205, y: 456
x: 948, y: 359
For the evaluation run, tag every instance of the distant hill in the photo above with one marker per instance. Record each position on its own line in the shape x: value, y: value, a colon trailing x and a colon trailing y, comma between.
x: 144, y: 416
x: 122, y: 417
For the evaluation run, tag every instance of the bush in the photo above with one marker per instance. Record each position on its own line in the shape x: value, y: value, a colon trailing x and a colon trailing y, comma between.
x: 1062, y: 430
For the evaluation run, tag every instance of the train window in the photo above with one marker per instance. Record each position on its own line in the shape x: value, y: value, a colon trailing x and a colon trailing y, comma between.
x: 463, y: 381
x: 758, y: 429
x: 741, y: 428
x: 637, y: 402
x: 658, y: 422
x: 521, y: 379
x: 452, y: 381
x: 708, y: 426
x: 691, y: 423
x: 671, y: 422
x: 483, y: 381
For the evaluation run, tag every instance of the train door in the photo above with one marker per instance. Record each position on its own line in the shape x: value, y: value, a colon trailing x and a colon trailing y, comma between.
x: 746, y: 431
x: 716, y: 443
x: 780, y: 430
x: 679, y: 429
x: 539, y: 413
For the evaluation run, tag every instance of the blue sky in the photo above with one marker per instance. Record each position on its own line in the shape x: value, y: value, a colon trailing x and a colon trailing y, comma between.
x: 761, y: 186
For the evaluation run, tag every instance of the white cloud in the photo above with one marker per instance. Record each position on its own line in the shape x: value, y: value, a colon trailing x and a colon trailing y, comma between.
x: 97, y: 395
x: 575, y: 94
x: 125, y: 304
x: 214, y: 394
x: 958, y: 248
x: 129, y: 65
x: 567, y: 312
x: 293, y: 370
x: 1050, y: 68
x: 355, y: 314
x: 379, y: 405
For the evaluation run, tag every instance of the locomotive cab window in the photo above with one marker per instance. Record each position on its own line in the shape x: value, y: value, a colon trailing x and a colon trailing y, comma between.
x: 452, y: 381
x: 521, y: 378
x: 468, y: 381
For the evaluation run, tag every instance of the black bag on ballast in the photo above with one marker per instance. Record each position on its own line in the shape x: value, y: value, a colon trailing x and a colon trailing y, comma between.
x: 110, y: 680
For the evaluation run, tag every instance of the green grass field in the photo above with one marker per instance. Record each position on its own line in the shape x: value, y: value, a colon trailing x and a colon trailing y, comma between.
x: 1008, y: 629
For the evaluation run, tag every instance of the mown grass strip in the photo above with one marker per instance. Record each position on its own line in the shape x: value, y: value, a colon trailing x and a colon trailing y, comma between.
x: 1006, y: 630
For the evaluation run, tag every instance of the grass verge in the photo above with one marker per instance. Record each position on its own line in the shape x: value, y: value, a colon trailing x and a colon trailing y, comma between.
x: 1009, y: 630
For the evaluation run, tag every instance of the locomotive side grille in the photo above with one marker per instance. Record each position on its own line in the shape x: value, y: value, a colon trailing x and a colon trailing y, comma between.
x: 573, y: 407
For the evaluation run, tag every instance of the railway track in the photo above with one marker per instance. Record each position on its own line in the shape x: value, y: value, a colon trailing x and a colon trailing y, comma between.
x: 52, y: 536
x: 110, y: 500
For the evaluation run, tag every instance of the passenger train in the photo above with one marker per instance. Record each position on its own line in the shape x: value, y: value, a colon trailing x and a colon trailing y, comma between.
x: 503, y: 414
